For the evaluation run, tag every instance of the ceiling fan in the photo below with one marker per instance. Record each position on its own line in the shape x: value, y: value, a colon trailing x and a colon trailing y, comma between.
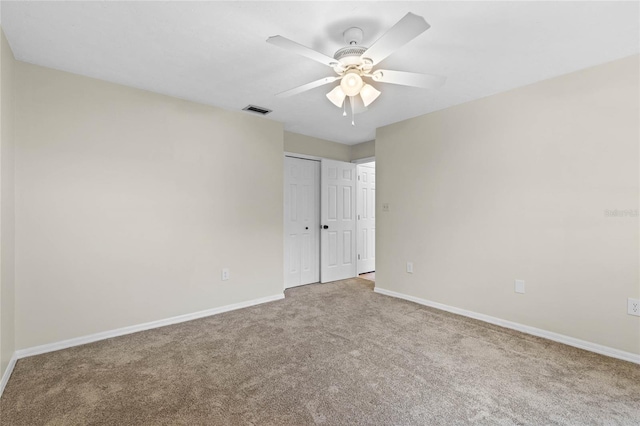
x: 354, y: 63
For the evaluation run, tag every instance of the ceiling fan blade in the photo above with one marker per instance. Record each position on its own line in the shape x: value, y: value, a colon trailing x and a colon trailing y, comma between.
x: 405, y: 30
x: 307, y: 86
x: 425, y: 81
x: 294, y: 47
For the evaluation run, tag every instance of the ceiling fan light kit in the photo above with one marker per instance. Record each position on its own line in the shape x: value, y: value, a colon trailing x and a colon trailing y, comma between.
x: 369, y: 94
x: 354, y: 62
x: 336, y: 96
x: 351, y: 83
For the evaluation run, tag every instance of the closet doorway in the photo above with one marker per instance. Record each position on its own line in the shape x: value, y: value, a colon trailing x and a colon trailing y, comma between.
x: 366, y: 219
x: 329, y: 228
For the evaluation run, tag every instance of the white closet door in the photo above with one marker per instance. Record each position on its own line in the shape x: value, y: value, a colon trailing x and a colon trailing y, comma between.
x: 366, y: 206
x: 301, y: 222
x: 338, y: 220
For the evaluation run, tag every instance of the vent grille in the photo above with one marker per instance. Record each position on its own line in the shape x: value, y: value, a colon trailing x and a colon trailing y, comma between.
x: 257, y: 109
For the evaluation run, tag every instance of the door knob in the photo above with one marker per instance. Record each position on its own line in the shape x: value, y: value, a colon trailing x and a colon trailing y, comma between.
x: 325, y: 227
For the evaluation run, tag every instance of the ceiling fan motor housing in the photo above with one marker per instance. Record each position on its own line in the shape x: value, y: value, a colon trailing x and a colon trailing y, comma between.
x: 350, y: 55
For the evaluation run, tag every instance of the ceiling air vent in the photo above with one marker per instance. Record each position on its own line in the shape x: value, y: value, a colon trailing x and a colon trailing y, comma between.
x: 257, y: 109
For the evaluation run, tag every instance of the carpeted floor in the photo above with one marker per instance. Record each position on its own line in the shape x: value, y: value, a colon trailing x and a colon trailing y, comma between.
x: 332, y: 354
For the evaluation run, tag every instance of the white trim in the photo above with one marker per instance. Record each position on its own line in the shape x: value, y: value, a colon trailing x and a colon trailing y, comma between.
x: 303, y: 156
x: 37, y: 350
x: 364, y: 160
x: 7, y: 372
x: 556, y: 337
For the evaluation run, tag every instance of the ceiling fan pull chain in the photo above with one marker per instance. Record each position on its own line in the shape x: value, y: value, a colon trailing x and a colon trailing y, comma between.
x: 353, y: 114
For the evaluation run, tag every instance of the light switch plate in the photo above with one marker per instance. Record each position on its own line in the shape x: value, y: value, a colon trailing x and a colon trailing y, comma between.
x: 410, y: 267
x: 519, y: 286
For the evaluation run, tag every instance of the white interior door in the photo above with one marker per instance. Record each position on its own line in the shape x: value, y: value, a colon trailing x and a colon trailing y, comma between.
x: 366, y: 225
x: 301, y: 221
x: 338, y: 220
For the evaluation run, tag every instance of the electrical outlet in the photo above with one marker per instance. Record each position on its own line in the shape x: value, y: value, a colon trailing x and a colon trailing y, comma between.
x: 633, y: 307
x: 519, y: 286
x: 225, y: 274
x: 385, y: 207
x: 410, y: 267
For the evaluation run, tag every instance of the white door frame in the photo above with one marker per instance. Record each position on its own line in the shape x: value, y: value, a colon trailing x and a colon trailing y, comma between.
x: 314, y: 157
x: 364, y: 160
x: 305, y: 156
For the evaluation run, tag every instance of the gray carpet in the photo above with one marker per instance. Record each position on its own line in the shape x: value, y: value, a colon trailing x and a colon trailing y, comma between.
x: 330, y: 354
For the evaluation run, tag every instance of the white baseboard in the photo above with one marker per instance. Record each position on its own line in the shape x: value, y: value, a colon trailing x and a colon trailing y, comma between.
x: 37, y: 350
x: 7, y: 373
x: 561, y: 338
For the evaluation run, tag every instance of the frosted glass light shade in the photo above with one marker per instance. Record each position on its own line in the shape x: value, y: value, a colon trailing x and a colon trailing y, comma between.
x: 336, y: 96
x: 369, y: 94
x: 351, y: 83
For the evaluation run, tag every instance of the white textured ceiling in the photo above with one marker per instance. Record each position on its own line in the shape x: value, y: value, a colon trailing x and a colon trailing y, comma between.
x: 215, y: 52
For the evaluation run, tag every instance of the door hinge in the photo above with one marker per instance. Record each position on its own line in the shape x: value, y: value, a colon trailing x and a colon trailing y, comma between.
x: 358, y: 177
x: 358, y: 257
x: 358, y: 217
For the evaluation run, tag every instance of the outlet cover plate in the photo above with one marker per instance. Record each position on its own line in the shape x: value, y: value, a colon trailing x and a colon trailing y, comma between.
x: 519, y: 286
x: 225, y: 274
x: 633, y: 307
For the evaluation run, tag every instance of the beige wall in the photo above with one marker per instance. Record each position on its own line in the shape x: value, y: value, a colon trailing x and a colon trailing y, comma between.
x: 7, y: 322
x: 129, y: 203
x: 363, y: 150
x: 515, y: 186
x: 302, y: 144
